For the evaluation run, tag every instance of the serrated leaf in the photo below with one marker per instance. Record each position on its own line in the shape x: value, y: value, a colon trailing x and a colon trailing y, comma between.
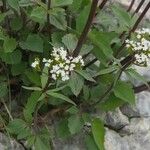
x: 70, y: 41
x: 12, y: 58
x: 125, y: 92
x: 112, y: 103
x: 33, y: 43
x: 86, y: 75
x: 58, y: 3
x: 102, y: 42
x: 62, y: 129
x: 33, y: 77
x: 106, y: 71
x: 19, y: 128
x: 122, y: 15
x: 14, y: 4
x: 58, y: 19
x: 82, y: 18
x: 9, y: 45
x: 76, y: 83
x: 38, y: 14
x: 31, y: 104
x: 75, y: 124
x: 60, y: 96
x: 98, y: 132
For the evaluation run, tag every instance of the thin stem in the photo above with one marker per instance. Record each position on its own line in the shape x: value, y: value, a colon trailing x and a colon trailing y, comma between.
x: 10, y: 116
x: 103, y: 3
x: 141, y: 88
x: 109, y: 90
x: 48, y: 16
x: 140, y: 18
x: 86, y: 29
x: 90, y: 63
x: 131, y: 5
x: 138, y: 7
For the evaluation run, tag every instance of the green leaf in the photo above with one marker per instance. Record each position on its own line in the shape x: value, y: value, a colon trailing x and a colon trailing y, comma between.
x: 3, y: 89
x: 31, y: 104
x: 76, y: 83
x: 33, y: 76
x: 18, y: 69
x: 38, y: 14
x: 86, y: 75
x: 76, y: 5
x: 135, y: 75
x: 16, y: 24
x: 44, y: 77
x: 60, y: 96
x: 33, y: 43
x: 122, y: 15
x: 102, y: 42
x: 25, y: 3
x: 106, y: 71
x: 73, y: 110
x: 58, y: 3
x: 9, y: 45
x: 32, y: 88
x: 62, y: 129
x: 58, y: 18
x: 14, y: 4
x: 90, y: 143
x: 41, y: 145
x: 125, y: 92
x: 75, y: 124
x: 98, y: 132
x: 70, y: 41
x: 19, y: 128
x: 112, y: 103
x: 11, y: 58
x: 82, y: 18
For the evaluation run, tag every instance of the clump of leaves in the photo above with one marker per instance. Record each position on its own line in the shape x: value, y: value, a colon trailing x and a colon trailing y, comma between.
x: 33, y: 99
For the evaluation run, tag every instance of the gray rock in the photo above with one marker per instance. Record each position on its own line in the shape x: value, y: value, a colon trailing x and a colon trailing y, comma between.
x: 138, y: 125
x: 135, y: 141
x: 9, y: 144
x: 130, y: 111
x: 116, y: 119
x: 143, y: 103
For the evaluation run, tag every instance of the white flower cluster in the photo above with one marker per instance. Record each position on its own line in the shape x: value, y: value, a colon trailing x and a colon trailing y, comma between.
x: 36, y: 63
x: 60, y: 64
x: 140, y: 46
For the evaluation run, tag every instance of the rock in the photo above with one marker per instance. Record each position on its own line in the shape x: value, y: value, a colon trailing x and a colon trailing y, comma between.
x: 134, y: 141
x: 113, y: 141
x: 138, y: 125
x: 143, y: 103
x: 116, y: 119
x: 9, y: 144
x: 130, y: 111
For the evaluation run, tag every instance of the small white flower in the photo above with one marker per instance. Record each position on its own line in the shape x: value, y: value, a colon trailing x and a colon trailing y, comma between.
x: 138, y: 36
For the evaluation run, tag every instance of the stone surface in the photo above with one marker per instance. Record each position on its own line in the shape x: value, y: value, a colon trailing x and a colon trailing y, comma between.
x: 116, y: 119
x: 138, y: 137
x: 9, y: 144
